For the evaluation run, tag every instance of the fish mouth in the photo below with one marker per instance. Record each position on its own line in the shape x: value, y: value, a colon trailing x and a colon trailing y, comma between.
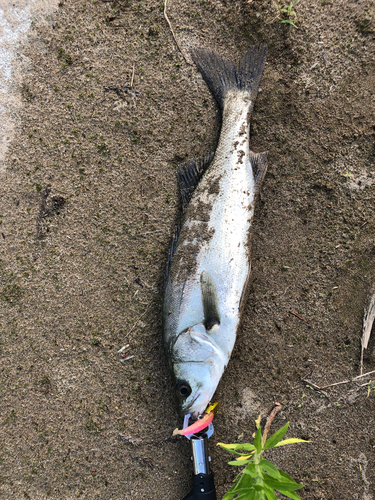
x: 188, y: 410
x: 198, y: 405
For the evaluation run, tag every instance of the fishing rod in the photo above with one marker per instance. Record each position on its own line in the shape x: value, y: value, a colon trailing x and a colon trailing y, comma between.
x: 203, y: 477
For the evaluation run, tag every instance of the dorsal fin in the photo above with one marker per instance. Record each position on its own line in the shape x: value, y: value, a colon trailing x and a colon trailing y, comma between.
x: 210, y: 301
x: 171, y: 252
x: 189, y: 174
x: 259, y: 165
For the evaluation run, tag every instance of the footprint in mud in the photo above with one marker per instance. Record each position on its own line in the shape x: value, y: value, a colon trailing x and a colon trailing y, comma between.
x: 250, y: 406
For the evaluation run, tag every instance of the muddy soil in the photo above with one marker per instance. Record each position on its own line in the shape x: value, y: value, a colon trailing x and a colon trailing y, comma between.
x: 89, y: 205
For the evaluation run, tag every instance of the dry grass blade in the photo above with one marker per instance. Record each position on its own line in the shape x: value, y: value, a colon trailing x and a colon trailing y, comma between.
x: 42, y: 211
x: 132, y: 80
x: 173, y: 34
x: 368, y: 321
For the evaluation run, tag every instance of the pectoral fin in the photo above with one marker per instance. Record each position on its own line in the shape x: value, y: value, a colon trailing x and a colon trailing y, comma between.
x: 259, y: 165
x: 210, y: 301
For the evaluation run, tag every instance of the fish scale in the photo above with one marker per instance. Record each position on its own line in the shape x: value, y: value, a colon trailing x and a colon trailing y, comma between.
x: 210, y: 265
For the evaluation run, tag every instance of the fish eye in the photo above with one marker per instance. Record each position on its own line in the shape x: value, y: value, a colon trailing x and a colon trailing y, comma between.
x: 184, y: 389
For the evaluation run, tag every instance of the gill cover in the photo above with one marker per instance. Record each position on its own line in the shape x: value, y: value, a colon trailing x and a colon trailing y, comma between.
x: 195, y: 343
x: 198, y: 361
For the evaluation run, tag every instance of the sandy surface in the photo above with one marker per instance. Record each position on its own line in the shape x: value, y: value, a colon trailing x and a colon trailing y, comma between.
x: 89, y: 204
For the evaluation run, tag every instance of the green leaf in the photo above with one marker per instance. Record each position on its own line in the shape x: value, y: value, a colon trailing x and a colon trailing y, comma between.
x: 246, y: 457
x: 229, y: 495
x: 250, y: 467
x: 283, y: 485
x: 238, y: 453
x: 288, y: 21
x: 286, y: 476
x: 270, y: 468
x: 238, y: 462
x: 261, y: 495
x: 270, y: 494
x: 235, y: 447
x: 232, y: 488
x: 251, y: 470
x: 236, y: 478
x: 248, y: 496
x: 250, y: 473
x: 258, y: 440
x: 291, y: 494
x: 242, y: 491
x: 290, y: 441
x: 276, y: 438
x: 245, y: 481
x: 258, y: 487
x: 252, y: 495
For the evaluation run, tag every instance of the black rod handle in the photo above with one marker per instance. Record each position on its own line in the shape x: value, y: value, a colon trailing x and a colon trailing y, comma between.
x: 203, y: 488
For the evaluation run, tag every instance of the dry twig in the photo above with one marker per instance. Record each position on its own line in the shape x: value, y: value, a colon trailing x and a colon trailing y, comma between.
x: 270, y: 419
x: 318, y: 388
x: 174, y: 36
x: 298, y: 316
x: 368, y: 321
x: 139, y: 319
x: 363, y: 375
x: 336, y: 383
x: 152, y: 232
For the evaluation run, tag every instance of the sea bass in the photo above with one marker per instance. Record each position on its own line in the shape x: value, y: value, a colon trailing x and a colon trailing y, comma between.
x: 209, y: 265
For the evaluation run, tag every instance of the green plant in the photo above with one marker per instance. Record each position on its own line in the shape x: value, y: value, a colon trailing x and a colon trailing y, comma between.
x: 286, y: 12
x: 102, y: 148
x: 11, y: 293
x: 364, y: 26
x: 260, y: 478
x: 370, y: 387
x: 92, y: 426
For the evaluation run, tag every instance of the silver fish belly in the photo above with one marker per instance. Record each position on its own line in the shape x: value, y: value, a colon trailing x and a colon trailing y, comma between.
x: 210, y: 265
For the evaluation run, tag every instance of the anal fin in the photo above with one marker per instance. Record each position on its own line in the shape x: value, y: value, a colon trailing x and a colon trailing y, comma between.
x: 190, y: 173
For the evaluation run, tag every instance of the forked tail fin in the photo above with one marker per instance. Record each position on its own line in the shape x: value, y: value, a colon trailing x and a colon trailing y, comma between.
x: 222, y: 76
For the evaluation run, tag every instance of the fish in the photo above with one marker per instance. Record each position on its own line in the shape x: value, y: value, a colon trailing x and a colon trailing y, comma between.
x: 208, y: 267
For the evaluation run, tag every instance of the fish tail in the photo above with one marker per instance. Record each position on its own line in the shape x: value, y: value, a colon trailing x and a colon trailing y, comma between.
x: 222, y: 76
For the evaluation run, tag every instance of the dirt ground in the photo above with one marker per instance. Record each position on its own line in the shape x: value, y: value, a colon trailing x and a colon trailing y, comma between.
x: 89, y: 204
